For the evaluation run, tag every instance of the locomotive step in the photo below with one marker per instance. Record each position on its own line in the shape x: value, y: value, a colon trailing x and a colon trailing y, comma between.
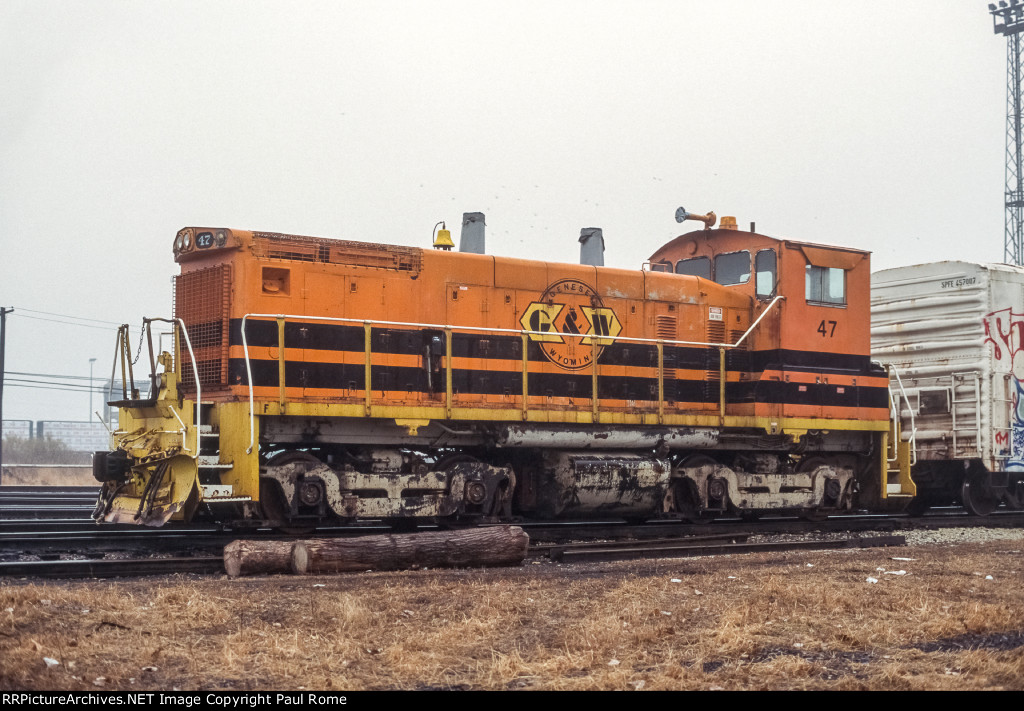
x: 212, y: 462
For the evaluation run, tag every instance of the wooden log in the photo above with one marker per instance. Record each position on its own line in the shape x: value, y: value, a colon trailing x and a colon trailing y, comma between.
x: 491, y: 546
x: 258, y: 557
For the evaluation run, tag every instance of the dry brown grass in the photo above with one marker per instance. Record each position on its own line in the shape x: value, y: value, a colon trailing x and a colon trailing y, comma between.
x: 41, y: 475
x: 743, y: 622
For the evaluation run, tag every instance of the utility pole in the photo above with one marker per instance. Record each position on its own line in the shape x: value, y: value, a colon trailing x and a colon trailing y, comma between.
x: 91, y: 362
x: 3, y: 333
x: 1008, y: 20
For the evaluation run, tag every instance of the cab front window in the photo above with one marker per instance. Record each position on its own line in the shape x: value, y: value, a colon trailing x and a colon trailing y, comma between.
x: 698, y: 267
x: 732, y: 268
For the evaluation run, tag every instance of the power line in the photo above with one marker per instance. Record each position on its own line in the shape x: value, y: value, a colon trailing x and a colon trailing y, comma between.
x: 68, y: 386
x: 76, y: 318
x: 68, y: 323
x: 48, y: 387
x: 52, y: 381
x: 3, y: 332
x: 53, y: 375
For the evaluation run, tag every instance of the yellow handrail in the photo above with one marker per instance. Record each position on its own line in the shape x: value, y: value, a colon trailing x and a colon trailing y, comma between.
x: 524, y: 334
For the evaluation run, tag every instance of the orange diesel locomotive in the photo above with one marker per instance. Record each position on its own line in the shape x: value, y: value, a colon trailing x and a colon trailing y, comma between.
x: 314, y: 380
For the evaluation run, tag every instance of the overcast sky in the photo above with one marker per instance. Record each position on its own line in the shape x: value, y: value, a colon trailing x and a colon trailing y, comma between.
x: 878, y: 124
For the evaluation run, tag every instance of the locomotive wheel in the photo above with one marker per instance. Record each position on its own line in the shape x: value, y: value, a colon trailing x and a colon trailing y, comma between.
x: 978, y: 498
x: 687, y: 500
x: 809, y: 464
x: 272, y: 500
x: 292, y: 455
x: 448, y: 523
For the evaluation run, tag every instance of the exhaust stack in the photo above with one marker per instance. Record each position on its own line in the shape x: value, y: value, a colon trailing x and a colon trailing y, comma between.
x: 592, y: 246
x: 472, y: 238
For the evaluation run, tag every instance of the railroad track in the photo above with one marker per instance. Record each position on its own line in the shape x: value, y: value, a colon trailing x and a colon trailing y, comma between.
x: 112, y: 568
x: 576, y: 553
x: 30, y: 535
x: 32, y: 531
x: 93, y: 546
x: 46, y: 502
x: 67, y: 508
x: 44, y: 491
x: 700, y: 546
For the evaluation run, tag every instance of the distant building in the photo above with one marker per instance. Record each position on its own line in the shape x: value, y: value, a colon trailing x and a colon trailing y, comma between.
x: 113, y: 391
x: 78, y: 436
x: 19, y: 428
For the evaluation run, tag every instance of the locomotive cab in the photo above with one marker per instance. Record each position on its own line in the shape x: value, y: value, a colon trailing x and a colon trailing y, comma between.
x: 811, y: 376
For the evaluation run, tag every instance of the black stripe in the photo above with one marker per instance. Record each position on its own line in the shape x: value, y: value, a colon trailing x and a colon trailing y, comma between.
x: 350, y: 377
x: 839, y: 363
x: 351, y: 338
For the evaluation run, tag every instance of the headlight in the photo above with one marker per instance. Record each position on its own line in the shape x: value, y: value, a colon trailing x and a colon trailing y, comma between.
x: 221, y: 238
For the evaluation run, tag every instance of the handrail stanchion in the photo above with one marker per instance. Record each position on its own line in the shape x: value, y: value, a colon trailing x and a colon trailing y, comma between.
x: 367, y: 368
x: 195, y: 375
x: 127, y: 358
x: 121, y: 336
x: 248, y: 378
x: 152, y: 362
x: 913, y: 426
x: 281, y: 397
x: 448, y: 372
x: 526, y: 375
x: 661, y: 382
x: 721, y: 384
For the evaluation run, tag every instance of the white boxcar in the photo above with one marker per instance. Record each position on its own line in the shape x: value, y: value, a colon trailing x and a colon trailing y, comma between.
x: 954, y: 334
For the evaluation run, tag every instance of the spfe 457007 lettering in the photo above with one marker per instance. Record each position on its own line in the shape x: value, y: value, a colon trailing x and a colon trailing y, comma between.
x: 315, y: 380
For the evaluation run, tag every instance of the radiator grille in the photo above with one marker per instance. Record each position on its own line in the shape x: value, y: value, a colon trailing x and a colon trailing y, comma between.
x: 716, y: 334
x: 359, y: 254
x: 665, y: 330
x: 202, y: 300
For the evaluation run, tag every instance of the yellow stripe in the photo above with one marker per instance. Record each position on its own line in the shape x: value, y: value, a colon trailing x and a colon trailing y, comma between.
x: 572, y: 416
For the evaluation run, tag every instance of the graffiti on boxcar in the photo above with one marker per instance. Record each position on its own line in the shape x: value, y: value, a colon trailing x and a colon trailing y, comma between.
x: 1004, y: 329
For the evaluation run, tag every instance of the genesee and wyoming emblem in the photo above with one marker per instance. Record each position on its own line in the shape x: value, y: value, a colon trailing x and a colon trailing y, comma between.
x: 571, y: 324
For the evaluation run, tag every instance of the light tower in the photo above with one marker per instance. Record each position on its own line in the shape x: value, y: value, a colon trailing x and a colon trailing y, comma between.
x: 1008, y: 20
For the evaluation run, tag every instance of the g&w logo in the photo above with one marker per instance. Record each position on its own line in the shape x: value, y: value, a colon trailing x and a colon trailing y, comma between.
x: 571, y: 324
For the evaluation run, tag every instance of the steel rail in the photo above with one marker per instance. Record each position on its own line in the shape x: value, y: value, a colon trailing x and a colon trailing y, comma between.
x: 15, y: 512
x: 110, y: 568
x: 209, y: 564
x: 43, y: 491
x: 684, y: 549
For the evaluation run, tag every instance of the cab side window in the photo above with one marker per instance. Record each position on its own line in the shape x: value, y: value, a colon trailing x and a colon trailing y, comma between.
x: 826, y: 286
x: 765, y: 276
